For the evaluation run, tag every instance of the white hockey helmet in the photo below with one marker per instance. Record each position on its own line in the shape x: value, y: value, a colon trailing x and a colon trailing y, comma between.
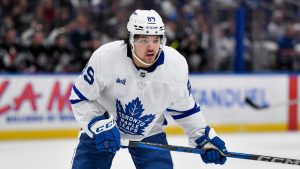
x: 146, y: 22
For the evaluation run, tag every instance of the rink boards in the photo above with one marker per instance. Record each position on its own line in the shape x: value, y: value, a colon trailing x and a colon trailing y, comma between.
x: 36, y: 106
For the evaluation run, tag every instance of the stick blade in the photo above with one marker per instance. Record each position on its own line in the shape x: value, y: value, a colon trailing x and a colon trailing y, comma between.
x: 254, y: 105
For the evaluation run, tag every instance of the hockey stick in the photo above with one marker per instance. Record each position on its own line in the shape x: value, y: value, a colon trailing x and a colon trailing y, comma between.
x: 254, y: 105
x: 245, y: 156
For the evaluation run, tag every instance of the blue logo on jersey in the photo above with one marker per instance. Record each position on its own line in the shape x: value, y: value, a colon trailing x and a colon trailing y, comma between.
x: 121, y: 81
x: 130, y: 120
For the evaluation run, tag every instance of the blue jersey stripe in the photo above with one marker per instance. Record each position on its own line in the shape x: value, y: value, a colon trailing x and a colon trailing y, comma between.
x: 79, y: 94
x: 186, y: 113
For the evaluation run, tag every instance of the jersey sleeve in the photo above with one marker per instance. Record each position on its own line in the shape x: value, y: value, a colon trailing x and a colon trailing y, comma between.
x: 187, y: 113
x: 86, y: 90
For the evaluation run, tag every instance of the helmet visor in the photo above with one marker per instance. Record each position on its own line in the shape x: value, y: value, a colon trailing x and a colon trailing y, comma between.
x: 148, y: 40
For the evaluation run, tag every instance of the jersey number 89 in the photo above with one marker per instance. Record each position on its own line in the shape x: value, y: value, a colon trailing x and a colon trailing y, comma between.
x: 89, y: 75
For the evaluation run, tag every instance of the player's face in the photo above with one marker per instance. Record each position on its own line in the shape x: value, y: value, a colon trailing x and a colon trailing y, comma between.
x: 146, y: 48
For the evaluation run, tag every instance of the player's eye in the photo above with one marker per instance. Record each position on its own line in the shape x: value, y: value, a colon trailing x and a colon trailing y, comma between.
x: 147, y: 41
x: 143, y: 41
x: 156, y: 41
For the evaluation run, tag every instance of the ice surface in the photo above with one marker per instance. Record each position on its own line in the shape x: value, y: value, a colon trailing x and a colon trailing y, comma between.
x: 57, y: 154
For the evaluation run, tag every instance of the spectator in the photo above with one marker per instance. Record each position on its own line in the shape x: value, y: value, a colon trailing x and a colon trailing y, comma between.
x: 6, y: 23
x: 64, y: 16
x: 287, y: 55
x: 82, y: 19
x: 62, y: 55
x: 81, y: 35
x: 48, y: 13
x: 223, y: 49
x: 43, y: 61
x: 27, y: 34
x: 275, y: 28
x: 9, y: 51
x: 194, y: 53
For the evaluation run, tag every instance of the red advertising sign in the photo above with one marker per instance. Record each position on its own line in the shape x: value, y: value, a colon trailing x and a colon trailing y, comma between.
x: 26, y: 100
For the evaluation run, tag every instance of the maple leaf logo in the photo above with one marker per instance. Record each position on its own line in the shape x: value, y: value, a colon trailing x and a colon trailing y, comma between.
x: 135, y: 108
x: 130, y: 119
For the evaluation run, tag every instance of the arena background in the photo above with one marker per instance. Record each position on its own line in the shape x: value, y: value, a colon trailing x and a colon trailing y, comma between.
x: 235, y: 49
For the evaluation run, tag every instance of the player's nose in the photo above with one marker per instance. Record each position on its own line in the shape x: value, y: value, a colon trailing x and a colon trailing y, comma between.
x: 151, y: 46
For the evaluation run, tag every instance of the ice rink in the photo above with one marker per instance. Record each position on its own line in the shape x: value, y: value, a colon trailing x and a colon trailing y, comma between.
x: 57, y: 154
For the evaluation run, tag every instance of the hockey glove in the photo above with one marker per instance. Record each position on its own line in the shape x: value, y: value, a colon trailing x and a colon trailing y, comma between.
x: 105, y: 133
x: 215, y: 147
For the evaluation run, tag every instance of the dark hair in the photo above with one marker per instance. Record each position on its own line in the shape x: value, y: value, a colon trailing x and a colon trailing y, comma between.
x: 126, y: 39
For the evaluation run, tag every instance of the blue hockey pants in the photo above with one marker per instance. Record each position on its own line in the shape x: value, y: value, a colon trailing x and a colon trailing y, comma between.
x: 86, y: 155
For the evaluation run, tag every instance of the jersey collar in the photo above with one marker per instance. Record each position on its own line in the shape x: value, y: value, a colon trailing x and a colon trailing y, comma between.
x: 159, y: 61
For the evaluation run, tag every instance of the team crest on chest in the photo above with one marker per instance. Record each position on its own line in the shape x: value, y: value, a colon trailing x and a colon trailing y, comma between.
x: 130, y: 119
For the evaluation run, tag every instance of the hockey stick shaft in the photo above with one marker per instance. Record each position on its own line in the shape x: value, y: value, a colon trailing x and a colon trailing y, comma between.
x: 254, y: 105
x: 245, y: 156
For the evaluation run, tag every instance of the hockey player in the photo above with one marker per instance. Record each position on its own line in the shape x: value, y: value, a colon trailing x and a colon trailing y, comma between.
x: 125, y: 91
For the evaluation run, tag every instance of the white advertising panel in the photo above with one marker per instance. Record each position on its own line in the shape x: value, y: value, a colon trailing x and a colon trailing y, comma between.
x: 35, y: 102
x: 221, y: 97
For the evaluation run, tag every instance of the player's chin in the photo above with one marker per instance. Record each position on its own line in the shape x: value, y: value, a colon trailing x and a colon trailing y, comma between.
x: 149, y: 59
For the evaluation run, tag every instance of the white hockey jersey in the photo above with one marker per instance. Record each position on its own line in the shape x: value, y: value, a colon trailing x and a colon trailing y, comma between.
x: 138, y: 99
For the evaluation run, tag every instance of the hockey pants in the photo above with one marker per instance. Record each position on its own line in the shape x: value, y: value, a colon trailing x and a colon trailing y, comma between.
x: 86, y: 155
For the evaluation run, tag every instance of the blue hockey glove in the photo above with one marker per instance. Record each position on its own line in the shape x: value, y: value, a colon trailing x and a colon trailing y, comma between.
x: 105, y: 133
x: 216, y: 151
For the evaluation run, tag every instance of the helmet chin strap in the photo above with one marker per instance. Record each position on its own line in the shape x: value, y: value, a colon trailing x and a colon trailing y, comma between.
x: 142, y: 62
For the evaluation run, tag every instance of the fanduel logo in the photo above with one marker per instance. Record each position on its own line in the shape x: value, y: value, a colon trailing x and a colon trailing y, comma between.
x: 279, y: 160
x: 130, y: 119
x: 122, y: 81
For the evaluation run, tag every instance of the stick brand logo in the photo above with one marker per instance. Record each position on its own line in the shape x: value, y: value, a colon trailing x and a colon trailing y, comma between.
x: 279, y: 160
x: 130, y: 119
x: 121, y: 81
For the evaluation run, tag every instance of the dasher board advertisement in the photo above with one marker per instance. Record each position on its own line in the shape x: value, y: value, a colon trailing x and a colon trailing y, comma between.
x: 38, y: 102
x: 35, y: 102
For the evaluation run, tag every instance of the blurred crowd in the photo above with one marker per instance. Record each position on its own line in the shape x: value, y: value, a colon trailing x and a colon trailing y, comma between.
x: 59, y: 36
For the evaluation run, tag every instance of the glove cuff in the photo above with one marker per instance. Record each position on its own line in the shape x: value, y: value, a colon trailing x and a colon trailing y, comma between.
x: 211, y: 133
x: 100, y: 124
x: 201, y: 141
x: 208, y: 135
